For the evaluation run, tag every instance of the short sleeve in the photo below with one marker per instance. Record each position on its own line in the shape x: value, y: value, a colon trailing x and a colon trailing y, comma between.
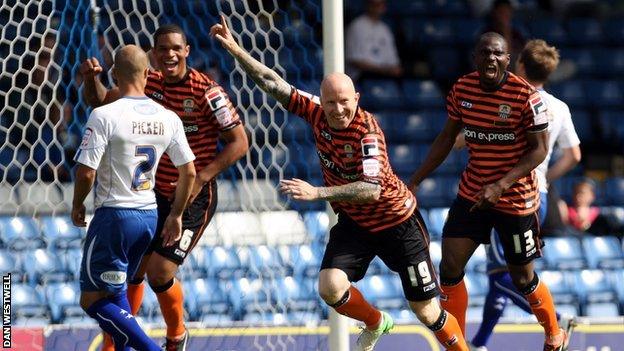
x: 452, y: 106
x: 304, y: 105
x: 179, y: 150
x: 219, y: 105
x: 374, y: 158
x: 567, y: 137
x: 535, y: 113
x: 94, y: 141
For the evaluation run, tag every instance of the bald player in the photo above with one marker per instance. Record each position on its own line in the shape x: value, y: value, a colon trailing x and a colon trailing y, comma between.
x: 377, y: 215
x: 121, y: 147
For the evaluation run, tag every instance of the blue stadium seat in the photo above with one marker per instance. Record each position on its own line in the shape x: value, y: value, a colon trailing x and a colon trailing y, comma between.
x: 561, y: 286
x: 405, y: 8
x: 437, y: 192
x: 317, y: 225
x: 204, y: 296
x: 378, y: 267
x: 71, y: 260
x: 437, y: 118
x: 438, y: 32
x: 551, y: 31
x: 604, y: 252
x: 608, y: 93
x: 572, y: 92
x: 478, y: 261
x: 614, y: 31
x: 614, y: 190
x: 617, y: 279
x: 10, y: 263
x: 435, y: 252
x: 305, y: 260
x: 564, y: 253
x: 379, y: 94
x: 43, y: 267
x: 448, y: 8
x: 610, y: 124
x: 437, y: 218
x: 264, y: 261
x: 19, y: 233
x: 477, y: 285
x: 585, y: 31
x: 61, y: 233
x: 403, y: 158
x: 63, y: 301
x: 295, y: 295
x: 450, y: 70
x: 467, y: 31
x: 250, y: 296
x: 584, y: 60
x: 221, y: 262
x: 594, y: 285
x: 611, y: 62
x: 583, y: 125
x: 27, y: 302
x: 150, y: 308
x: 407, y: 127
x: 602, y: 310
x: 423, y: 94
x: 383, y: 291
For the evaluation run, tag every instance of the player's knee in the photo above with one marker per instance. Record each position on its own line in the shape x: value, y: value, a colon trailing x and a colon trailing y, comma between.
x: 426, y: 311
x: 450, y: 270
x: 332, y: 286
x: 522, y: 279
x: 160, y: 271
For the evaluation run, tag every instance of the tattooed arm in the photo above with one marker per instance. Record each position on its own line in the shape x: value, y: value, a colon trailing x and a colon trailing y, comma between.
x: 357, y: 192
x: 267, y: 79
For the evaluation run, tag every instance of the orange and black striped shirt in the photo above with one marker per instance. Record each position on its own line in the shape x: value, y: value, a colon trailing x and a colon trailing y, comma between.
x: 496, y: 124
x: 357, y: 153
x: 205, y: 110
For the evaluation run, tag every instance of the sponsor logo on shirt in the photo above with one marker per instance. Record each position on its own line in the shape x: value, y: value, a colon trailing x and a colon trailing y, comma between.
x: 370, y: 147
x: 504, y: 111
x: 191, y: 128
x: 489, y: 136
x: 216, y: 99
x: 466, y: 104
x: 325, y: 134
x: 113, y: 277
x: 371, y: 167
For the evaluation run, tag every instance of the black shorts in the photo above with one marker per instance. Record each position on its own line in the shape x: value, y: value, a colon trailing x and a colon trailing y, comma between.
x: 404, y: 248
x: 194, y: 221
x: 519, y: 235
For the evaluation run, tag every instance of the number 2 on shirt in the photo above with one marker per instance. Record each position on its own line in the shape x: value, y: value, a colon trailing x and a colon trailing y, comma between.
x: 139, y: 180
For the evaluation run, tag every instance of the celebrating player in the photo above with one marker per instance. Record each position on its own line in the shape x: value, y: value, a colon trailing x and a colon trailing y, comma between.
x: 122, y: 144
x: 535, y: 64
x: 505, y: 125
x: 377, y: 215
x: 207, y: 115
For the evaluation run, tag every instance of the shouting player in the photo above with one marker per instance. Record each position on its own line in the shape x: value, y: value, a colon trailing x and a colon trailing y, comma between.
x: 505, y: 125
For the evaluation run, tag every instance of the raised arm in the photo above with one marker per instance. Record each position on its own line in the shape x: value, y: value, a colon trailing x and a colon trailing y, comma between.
x: 94, y: 92
x: 267, y: 79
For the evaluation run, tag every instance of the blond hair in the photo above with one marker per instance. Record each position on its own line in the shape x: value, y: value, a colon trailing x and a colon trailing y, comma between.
x: 539, y: 60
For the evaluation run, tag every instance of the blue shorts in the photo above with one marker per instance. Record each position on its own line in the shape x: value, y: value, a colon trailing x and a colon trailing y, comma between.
x: 116, y: 241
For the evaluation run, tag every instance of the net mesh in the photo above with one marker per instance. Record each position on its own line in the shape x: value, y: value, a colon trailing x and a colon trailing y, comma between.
x: 261, y: 251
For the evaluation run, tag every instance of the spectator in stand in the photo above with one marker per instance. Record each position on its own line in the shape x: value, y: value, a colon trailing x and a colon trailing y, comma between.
x: 371, y: 48
x: 500, y: 20
x: 581, y: 213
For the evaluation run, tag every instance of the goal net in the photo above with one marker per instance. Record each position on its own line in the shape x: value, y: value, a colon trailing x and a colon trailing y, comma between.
x: 257, y: 262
